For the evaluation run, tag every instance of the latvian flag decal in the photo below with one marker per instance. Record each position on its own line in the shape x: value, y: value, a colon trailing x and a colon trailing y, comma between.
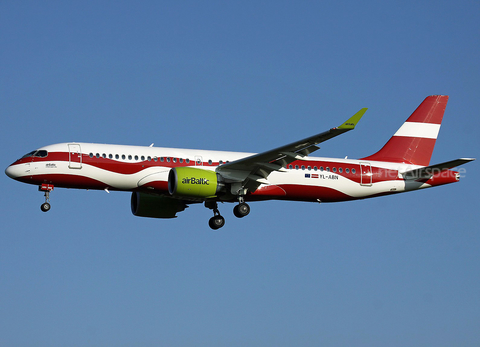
x: 311, y: 175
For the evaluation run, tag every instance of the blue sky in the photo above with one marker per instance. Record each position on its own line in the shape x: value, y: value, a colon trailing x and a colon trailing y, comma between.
x: 241, y: 76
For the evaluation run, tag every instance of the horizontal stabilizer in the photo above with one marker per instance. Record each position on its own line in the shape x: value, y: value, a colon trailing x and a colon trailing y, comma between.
x: 429, y: 171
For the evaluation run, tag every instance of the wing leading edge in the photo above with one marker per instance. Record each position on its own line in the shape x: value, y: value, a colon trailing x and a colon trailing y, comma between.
x: 252, y: 171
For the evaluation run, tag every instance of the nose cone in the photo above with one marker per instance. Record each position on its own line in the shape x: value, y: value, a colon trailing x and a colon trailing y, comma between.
x: 13, y: 171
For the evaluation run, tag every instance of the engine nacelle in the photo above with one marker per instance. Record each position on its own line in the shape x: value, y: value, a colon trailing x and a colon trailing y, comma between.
x: 194, y: 183
x: 155, y: 206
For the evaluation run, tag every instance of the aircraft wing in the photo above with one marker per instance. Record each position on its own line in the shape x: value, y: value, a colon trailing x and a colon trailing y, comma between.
x: 253, y: 171
x: 429, y: 171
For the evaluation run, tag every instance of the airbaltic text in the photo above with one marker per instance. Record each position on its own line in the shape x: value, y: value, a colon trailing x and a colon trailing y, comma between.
x: 194, y: 180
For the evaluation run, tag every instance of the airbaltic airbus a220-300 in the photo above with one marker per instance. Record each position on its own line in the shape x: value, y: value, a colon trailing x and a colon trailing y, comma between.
x: 164, y: 181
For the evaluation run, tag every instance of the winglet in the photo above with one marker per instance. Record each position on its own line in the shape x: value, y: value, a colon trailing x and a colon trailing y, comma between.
x: 352, y: 121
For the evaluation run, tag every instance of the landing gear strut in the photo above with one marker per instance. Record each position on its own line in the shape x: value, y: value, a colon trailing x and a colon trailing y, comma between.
x: 217, y: 221
x: 47, y: 188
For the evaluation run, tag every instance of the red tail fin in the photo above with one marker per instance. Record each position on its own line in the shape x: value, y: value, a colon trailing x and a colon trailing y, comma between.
x: 413, y: 143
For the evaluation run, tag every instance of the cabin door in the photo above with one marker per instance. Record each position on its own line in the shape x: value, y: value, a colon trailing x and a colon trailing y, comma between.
x: 366, y: 174
x: 74, y: 156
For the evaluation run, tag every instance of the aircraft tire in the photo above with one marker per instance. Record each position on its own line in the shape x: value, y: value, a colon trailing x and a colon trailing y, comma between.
x: 45, y: 207
x: 241, y: 210
x: 216, y: 222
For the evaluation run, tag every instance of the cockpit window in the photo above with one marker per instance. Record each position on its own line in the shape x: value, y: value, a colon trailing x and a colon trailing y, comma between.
x: 29, y: 154
x: 42, y: 153
x: 38, y: 153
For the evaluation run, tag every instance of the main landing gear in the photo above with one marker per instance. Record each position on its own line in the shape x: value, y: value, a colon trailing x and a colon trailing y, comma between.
x: 47, y: 188
x: 218, y: 221
x: 242, y: 209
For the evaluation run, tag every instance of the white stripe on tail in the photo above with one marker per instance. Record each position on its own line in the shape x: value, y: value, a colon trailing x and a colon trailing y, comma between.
x: 413, y: 143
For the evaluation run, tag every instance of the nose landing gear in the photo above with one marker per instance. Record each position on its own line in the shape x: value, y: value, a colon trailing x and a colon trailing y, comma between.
x: 47, y: 188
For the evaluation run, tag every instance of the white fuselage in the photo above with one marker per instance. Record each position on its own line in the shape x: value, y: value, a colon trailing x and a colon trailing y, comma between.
x: 129, y: 168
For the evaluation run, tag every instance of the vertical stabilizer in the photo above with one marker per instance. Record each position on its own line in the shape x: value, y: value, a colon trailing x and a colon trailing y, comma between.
x: 413, y: 143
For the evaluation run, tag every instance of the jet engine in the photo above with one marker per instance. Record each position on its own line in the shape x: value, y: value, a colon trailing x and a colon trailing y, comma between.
x: 155, y: 206
x: 194, y: 183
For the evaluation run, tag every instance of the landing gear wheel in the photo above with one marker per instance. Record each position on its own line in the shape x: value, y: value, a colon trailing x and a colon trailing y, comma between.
x: 241, y: 210
x: 45, y: 207
x: 216, y: 222
x: 47, y: 188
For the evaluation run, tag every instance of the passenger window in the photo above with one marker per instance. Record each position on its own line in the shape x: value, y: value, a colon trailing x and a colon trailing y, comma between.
x: 123, y: 156
x: 353, y: 171
x: 315, y: 168
x: 143, y: 158
x: 309, y: 168
x: 104, y: 156
x: 187, y: 161
x: 110, y: 156
x: 296, y: 167
x: 340, y: 170
x: 174, y: 160
x: 347, y: 170
x: 210, y: 162
x: 149, y: 158
x: 91, y: 155
x: 327, y: 169
x: 180, y: 160
x: 290, y: 167
x: 321, y: 168
x: 334, y: 169
x: 117, y: 156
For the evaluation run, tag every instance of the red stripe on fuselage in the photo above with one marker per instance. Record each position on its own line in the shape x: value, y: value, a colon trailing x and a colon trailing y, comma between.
x: 128, y: 168
x: 313, y: 193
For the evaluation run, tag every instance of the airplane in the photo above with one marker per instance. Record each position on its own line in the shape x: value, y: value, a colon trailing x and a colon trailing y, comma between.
x: 165, y: 181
